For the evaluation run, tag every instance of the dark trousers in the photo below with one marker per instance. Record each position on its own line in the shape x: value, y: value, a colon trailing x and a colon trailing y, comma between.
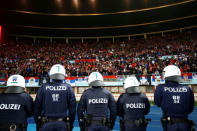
x: 94, y: 127
x: 132, y: 127
x: 54, y: 126
x: 178, y: 127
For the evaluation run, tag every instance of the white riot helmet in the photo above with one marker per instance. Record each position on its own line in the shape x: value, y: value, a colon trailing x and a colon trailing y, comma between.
x: 15, y: 84
x: 95, y: 79
x: 172, y: 73
x: 57, y: 72
x: 131, y: 84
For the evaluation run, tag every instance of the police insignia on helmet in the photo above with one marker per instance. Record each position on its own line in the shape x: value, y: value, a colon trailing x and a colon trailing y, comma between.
x: 14, y: 78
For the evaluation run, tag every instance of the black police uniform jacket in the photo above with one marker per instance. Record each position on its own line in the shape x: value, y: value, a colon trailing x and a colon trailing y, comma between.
x: 96, y: 102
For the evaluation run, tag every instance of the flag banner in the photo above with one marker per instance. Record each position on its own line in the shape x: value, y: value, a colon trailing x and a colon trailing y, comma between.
x: 83, y: 81
x: 156, y: 80
x: 194, y: 78
x: 187, y: 78
x: 110, y: 78
x: 32, y: 81
x: 71, y: 61
x: 116, y: 83
x: 120, y: 78
x: 2, y: 81
x: 144, y: 80
x: 85, y: 60
x: 71, y: 80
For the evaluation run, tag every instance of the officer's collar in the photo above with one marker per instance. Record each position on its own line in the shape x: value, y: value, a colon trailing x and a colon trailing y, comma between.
x: 133, y: 94
x: 96, y: 86
x: 57, y: 81
x: 17, y: 89
x: 172, y: 82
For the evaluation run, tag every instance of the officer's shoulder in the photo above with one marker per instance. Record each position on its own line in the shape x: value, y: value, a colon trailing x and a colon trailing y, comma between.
x: 122, y: 95
x: 143, y: 95
x: 184, y: 86
x: 161, y: 85
x: 66, y: 84
x: 45, y: 84
x: 87, y: 90
x: 24, y: 94
x: 106, y: 91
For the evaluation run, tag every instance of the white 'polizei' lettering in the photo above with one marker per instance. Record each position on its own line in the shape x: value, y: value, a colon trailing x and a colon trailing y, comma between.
x: 56, y: 88
x: 135, y: 105
x: 170, y: 89
x: 10, y: 106
x: 99, y: 100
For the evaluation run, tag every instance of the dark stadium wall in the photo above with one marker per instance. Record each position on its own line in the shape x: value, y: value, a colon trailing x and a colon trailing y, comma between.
x: 98, y: 22
x: 0, y: 33
x: 103, y: 32
x: 110, y: 24
x: 101, y: 20
x: 84, y: 6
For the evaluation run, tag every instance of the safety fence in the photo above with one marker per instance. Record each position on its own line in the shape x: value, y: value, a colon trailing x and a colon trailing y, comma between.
x: 115, y: 80
x: 114, y: 84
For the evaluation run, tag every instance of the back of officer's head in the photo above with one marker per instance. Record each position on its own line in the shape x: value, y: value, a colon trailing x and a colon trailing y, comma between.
x: 15, y: 84
x: 57, y: 72
x: 172, y: 73
x: 131, y: 84
x: 95, y: 79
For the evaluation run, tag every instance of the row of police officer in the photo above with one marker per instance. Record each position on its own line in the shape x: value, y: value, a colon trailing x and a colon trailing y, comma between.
x: 55, y: 104
x: 176, y: 101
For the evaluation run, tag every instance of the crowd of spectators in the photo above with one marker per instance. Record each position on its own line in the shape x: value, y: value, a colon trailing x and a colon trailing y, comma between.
x: 123, y: 57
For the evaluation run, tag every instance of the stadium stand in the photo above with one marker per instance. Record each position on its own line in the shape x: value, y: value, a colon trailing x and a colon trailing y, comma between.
x: 136, y: 56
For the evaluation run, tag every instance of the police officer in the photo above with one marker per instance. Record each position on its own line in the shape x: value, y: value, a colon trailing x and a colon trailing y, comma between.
x: 94, y: 105
x: 53, y: 102
x: 132, y: 106
x: 175, y: 100
x: 15, y: 105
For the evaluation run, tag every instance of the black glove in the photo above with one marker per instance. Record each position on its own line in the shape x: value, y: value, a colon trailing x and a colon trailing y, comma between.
x: 111, y: 125
x: 71, y: 127
x: 81, y: 125
x: 37, y: 127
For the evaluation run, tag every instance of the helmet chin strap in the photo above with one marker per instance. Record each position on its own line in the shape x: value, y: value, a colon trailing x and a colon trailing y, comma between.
x: 54, y: 80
